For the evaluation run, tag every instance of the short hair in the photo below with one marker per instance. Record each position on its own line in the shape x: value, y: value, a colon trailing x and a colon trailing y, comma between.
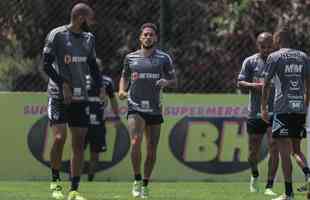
x: 283, y: 34
x: 149, y: 25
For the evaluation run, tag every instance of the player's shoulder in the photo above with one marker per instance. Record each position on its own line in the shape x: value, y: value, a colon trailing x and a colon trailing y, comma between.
x: 163, y: 55
x: 275, y: 55
x: 134, y: 54
x: 60, y: 29
x: 251, y: 59
x: 88, y: 35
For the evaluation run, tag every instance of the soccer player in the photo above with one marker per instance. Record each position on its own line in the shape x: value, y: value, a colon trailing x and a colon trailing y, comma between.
x: 70, y: 60
x: 96, y: 135
x: 148, y: 70
x: 251, y: 77
x: 290, y: 70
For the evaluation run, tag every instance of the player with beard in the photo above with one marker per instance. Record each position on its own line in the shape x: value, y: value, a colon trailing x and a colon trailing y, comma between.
x: 148, y: 70
x: 70, y: 60
x: 251, y: 77
x: 289, y: 68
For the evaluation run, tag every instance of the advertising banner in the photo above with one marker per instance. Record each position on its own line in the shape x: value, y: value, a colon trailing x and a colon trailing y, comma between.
x: 203, y: 138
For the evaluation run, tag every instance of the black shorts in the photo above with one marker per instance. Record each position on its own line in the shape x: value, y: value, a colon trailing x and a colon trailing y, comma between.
x: 95, y: 137
x: 75, y: 114
x: 290, y: 125
x: 148, y: 118
x: 96, y: 110
x: 257, y: 126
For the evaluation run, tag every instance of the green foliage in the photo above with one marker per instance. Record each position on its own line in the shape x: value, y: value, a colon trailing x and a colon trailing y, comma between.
x: 13, y: 65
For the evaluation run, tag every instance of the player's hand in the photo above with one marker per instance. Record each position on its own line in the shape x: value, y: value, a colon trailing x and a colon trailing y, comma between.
x: 258, y: 86
x: 162, y: 82
x: 67, y: 92
x: 122, y: 95
x: 265, y: 116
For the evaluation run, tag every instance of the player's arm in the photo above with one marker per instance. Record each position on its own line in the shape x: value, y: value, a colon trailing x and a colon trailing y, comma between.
x: 307, y: 82
x: 270, y: 71
x: 124, y: 81
x: 48, y: 59
x: 94, y: 70
x: 245, y: 77
x: 169, y: 72
x: 110, y: 90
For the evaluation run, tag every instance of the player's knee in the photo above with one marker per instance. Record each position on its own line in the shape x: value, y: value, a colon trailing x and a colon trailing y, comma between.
x: 136, y: 140
x: 60, y: 139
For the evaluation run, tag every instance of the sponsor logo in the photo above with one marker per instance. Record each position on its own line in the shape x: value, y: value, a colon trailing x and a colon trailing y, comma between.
x: 212, y: 145
x: 68, y: 59
x: 293, y: 68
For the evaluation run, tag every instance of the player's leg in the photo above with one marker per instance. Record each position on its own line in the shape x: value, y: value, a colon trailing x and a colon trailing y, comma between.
x: 57, y: 119
x: 301, y: 160
x: 254, y: 142
x: 284, y: 145
x: 152, y: 135
x: 93, y: 161
x: 78, y: 120
x: 285, y: 127
x: 59, y: 133
x: 136, y: 125
x: 273, y: 163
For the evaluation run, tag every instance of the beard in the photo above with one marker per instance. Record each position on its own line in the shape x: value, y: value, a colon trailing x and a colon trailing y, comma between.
x: 148, y: 47
x: 85, y: 27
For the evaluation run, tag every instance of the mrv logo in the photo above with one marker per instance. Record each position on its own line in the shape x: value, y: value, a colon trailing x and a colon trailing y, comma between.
x: 293, y: 68
x: 212, y: 145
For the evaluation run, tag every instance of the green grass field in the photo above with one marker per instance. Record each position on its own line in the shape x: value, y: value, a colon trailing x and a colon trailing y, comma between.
x: 27, y: 190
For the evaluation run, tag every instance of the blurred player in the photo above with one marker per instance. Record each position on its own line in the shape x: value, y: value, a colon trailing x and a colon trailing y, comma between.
x: 69, y: 59
x: 96, y: 135
x: 290, y: 70
x: 251, y: 77
x: 148, y: 70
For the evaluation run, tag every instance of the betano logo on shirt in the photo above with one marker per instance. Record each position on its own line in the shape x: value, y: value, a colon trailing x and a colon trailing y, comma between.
x: 136, y: 76
x: 68, y: 59
x: 293, y: 68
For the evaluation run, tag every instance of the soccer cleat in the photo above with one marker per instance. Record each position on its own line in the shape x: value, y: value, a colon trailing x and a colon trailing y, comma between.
x: 302, y: 188
x: 269, y: 192
x: 284, y: 197
x: 136, y: 188
x: 74, y: 195
x: 144, y: 192
x: 254, y: 184
x: 56, y: 190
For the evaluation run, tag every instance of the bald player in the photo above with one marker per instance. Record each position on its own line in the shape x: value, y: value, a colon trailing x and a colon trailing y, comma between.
x: 70, y: 62
x: 251, y: 77
x: 289, y: 68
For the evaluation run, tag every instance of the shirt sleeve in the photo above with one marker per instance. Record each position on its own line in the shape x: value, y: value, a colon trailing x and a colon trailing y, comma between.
x: 109, y: 86
x: 245, y: 72
x: 126, y: 72
x: 169, y: 68
x: 271, y: 67
x: 49, y: 54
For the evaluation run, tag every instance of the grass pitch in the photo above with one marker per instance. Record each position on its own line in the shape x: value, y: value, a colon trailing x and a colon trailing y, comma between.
x: 29, y: 190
